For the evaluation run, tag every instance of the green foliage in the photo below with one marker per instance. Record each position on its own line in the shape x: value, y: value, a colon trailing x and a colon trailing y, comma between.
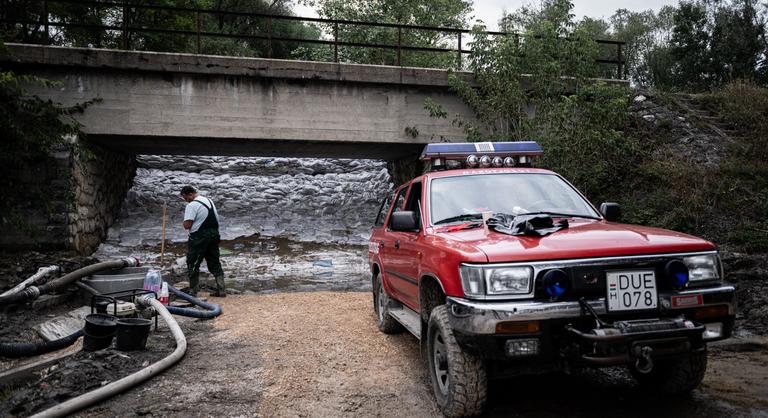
x: 582, y: 137
x: 251, y: 32
x: 689, y: 45
x: 435, y: 109
x: 434, y: 13
x: 647, y: 36
x: 32, y: 126
x: 538, y: 86
x: 737, y: 42
x: 725, y: 202
x: 745, y: 106
x: 694, y: 46
x: 248, y: 26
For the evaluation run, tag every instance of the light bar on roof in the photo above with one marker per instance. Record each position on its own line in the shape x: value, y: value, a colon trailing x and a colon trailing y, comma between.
x: 463, y: 150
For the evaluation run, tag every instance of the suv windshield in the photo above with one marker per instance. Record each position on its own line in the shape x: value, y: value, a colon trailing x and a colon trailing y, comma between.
x: 511, y: 193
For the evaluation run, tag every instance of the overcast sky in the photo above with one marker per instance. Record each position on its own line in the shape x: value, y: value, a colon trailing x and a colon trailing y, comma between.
x: 490, y: 11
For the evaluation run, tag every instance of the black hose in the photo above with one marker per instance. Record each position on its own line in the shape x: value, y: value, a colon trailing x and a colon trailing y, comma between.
x: 212, y: 311
x: 32, y: 292
x: 87, y: 288
x: 16, y: 350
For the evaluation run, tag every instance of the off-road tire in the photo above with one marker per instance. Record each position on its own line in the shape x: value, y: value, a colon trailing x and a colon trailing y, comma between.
x: 384, y: 321
x: 465, y: 385
x: 674, y: 376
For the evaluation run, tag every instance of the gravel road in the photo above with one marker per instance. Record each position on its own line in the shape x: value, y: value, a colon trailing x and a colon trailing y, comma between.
x: 320, y: 354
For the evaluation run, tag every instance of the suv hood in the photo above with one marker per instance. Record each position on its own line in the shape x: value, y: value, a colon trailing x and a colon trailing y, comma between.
x: 583, y: 239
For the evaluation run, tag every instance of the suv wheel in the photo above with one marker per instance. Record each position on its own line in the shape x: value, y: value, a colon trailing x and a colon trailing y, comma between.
x: 674, y: 376
x: 458, y: 377
x: 385, y: 322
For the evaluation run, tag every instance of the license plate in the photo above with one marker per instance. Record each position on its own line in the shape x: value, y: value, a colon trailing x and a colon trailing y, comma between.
x: 631, y: 290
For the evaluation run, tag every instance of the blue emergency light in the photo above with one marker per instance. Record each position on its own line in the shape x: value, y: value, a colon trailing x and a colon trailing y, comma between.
x: 481, y: 154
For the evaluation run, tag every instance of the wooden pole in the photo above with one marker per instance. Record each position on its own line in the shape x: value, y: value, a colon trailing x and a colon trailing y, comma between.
x: 162, y: 240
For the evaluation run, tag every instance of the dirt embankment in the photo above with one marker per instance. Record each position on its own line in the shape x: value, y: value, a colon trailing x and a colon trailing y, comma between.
x: 749, y: 273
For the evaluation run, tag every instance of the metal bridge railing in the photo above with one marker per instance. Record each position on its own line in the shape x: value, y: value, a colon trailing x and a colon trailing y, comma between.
x: 122, y: 26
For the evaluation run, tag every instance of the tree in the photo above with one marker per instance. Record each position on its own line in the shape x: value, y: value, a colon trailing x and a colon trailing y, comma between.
x: 646, y: 35
x: 538, y: 86
x: 433, y: 13
x: 689, y: 46
x: 737, y: 42
x: 251, y: 35
x: 32, y: 128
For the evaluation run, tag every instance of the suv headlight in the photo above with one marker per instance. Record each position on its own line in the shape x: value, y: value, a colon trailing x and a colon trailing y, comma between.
x: 703, y: 268
x: 478, y: 281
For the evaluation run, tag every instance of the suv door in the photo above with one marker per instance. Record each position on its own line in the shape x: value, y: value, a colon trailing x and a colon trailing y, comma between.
x: 404, y: 255
x: 386, y: 243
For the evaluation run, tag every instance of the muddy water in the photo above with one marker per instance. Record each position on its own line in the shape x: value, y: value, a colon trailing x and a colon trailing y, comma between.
x: 255, y: 265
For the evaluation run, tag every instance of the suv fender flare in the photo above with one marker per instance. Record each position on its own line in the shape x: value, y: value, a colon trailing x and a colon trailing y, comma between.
x: 423, y: 303
x: 433, y: 276
x: 375, y: 267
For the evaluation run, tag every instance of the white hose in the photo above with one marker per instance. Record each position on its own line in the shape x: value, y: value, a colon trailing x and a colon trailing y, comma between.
x: 92, y: 397
x: 41, y: 272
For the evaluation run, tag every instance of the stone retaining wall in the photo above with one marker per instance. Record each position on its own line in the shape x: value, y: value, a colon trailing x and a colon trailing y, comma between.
x: 99, y: 185
x: 65, y: 201
x: 34, y: 213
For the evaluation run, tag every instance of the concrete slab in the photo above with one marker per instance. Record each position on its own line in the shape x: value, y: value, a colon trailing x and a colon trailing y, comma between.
x: 63, y: 325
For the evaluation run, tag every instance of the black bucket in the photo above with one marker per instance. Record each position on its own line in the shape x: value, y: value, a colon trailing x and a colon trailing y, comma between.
x: 93, y: 343
x: 132, y: 333
x: 100, y: 325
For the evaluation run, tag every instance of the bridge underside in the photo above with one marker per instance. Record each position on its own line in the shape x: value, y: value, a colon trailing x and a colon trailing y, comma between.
x: 155, y: 103
x: 255, y: 147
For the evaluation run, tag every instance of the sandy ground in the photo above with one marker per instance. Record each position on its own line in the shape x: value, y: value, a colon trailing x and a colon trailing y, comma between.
x: 320, y: 354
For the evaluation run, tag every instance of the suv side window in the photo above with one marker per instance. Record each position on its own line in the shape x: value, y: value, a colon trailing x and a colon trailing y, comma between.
x: 383, y: 210
x: 414, y: 201
x: 399, y: 200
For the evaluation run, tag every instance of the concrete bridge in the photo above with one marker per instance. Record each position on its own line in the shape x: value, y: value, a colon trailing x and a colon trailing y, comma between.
x: 167, y: 103
x: 158, y: 103
x: 161, y: 103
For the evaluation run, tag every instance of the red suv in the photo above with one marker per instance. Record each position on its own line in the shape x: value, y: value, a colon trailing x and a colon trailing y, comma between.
x: 502, y: 269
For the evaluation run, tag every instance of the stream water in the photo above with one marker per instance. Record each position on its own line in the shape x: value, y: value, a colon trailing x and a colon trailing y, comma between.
x: 286, y: 224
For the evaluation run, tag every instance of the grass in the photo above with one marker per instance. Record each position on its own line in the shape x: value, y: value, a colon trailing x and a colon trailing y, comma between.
x: 727, y: 203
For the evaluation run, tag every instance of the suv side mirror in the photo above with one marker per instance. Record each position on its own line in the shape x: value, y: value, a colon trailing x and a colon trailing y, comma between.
x: 611, y: 211
x: 404, y: 220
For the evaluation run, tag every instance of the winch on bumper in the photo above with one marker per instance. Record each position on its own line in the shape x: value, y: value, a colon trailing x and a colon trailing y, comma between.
x: 570, y: 333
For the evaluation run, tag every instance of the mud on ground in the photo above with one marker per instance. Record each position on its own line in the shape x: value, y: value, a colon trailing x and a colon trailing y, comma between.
x: 17, y: 266
x: 320, y: 354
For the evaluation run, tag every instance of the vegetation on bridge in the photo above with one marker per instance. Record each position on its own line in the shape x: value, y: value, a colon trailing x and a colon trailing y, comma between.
x: 596, y: 135
x: 32, y: 128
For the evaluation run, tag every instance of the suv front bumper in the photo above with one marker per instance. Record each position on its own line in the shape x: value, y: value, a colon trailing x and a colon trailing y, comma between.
x: 479, y: 325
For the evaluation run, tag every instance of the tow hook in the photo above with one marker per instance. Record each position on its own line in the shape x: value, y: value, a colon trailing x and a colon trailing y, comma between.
x: 644, y: 363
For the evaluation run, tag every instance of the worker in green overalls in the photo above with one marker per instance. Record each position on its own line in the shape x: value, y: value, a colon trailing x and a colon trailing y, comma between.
x: 202, y: 221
